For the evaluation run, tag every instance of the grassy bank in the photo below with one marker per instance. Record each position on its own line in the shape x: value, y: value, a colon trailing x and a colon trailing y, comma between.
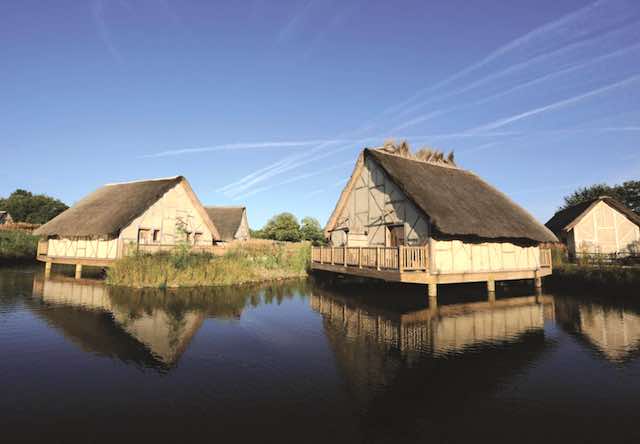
x: 596, y: 277
x: 17, y: 246
x: 242, y: 264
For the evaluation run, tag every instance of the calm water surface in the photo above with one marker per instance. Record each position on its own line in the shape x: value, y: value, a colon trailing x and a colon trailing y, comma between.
x: 309, y: 362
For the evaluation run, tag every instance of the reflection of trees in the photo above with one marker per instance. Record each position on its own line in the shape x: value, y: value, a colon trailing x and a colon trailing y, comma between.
x: 426, y: 366
x: 611, y: 330
x: 149, y: 327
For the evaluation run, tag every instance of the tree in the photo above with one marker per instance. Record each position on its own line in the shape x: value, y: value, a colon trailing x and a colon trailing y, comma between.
x: 628, y: 193
x: 312, y: 231
x: 283, y: 227
x: 33, y: 208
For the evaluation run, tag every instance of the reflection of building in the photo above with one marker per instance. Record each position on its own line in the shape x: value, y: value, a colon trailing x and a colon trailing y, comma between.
x: 448, y: 329
x: 164, y: 334
x: 429, y: 366
x: 148, y: 327
x: 613, y: 332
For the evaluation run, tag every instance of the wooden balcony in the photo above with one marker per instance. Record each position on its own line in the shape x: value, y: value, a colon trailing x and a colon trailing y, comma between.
x: 411, y: 264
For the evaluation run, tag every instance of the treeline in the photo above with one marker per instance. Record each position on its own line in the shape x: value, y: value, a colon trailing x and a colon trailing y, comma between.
x: 627, y: 192
x: 24, y: 206
x: 285, y: 227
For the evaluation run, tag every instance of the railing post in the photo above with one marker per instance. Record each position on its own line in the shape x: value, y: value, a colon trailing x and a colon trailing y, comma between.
x: 332, y: 250
x: 321, y: 255
x: 344, y: 256
x: 378, y: 258
x: 359, y: 257
x: 401, y: 263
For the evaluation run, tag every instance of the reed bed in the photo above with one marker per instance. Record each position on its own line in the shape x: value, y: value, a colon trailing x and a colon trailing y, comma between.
x: 17, y: 246
x: 241, y: 264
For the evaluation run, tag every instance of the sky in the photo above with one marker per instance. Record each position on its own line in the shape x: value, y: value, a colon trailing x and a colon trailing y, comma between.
x: 268, y: 103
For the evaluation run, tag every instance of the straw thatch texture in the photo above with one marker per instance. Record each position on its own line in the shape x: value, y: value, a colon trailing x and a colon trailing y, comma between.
x: 459, y: 203
x: 563, y: 219
x: 109, y: 209
x: 227, y: 220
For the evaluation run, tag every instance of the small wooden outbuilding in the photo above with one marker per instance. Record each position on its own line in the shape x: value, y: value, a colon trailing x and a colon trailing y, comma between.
x: 117, y: 219
x: 597, y: 226
x: 5, y: 218
x: 231, y: 222
x: 405, y: 219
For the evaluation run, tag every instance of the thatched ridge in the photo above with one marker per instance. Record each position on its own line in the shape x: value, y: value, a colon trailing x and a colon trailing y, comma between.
x: 227, y: 220
x: 113, y: 207
x: 564, y: 220
x: 458, y: 203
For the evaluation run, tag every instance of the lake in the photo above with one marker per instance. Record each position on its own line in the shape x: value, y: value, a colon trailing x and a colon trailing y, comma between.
x: 310, y: 361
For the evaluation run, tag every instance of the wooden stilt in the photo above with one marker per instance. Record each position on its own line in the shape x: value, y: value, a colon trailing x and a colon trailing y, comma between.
x: 433, y: 295
x: 78, y: 271
x: 491, y: 286
x: 47, y: 269
x: 537, y: 282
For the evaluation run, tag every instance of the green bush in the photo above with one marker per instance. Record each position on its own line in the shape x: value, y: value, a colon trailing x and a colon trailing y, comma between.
x: 17, y: 246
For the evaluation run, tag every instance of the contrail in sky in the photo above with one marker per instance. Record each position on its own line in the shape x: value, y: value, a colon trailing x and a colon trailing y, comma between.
x: 562, y: 103
x: 543, y: 30
x: 241, y: 146
x: 97, y: 8
x: 428, y: 116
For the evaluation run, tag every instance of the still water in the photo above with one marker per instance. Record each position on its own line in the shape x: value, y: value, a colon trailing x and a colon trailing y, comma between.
x: 312, y: 362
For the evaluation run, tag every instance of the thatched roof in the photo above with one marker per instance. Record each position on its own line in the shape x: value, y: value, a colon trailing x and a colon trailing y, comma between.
x: 458, y: 203
x: 564, y: 220
x: 227, y: 220
x: 113, y: 207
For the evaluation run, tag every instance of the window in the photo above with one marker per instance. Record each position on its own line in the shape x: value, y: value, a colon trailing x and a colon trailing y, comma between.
x: 197, y: 238
x: 395, y: 235
x: 156, y: 236
x: 144, y: 236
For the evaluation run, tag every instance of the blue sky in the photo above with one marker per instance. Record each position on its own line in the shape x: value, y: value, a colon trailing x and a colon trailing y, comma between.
x: 267, y: 103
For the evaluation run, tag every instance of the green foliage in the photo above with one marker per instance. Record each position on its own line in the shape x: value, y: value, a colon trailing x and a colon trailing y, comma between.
x: 628, y: 193
x: 257, y: 234
x: 312, y: 231
x: 605, y: 277
x: 33, y: 208
x: 242, y: 264
x: 283, y: 227
x: 17, y: 246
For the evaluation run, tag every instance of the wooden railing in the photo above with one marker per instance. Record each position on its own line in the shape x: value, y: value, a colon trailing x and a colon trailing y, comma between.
x: 401, y: 258
x: 545, y: 258
x: 43, y: 247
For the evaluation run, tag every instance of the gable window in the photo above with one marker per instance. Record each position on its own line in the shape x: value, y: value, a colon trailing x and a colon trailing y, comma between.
x: 144, y: 236
x: 197, y: 238
x: 156, y: 236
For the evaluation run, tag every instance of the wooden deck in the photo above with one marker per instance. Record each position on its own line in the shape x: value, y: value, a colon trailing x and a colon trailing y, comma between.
x: 411, y: 265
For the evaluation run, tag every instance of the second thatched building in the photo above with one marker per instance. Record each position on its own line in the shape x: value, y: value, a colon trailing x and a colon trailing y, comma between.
x: 411, y: 219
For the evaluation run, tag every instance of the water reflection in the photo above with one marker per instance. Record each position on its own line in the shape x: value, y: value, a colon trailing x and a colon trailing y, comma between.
x: 148, y: 327
x: 613, y: 331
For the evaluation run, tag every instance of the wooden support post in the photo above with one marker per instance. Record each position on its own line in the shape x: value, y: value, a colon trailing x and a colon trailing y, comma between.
x: 433, y: 295
x: 401, y: 258
x: 378, y: 258
x: 491, y: 286
x: 78, y: 271
x: 332, y: 251
x: 321, y: 255
x: 344, y: 256
x: 359, y: 257
x: 47, y: 269
x: 492, y: 297
x: 537, y: 282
